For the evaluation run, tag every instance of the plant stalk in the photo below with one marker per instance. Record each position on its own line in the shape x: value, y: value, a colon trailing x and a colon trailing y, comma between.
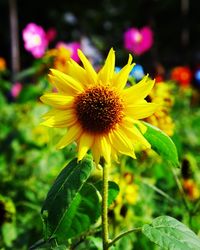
x: 105, y: 234
x: 178, y: 183
x: 134, y: 230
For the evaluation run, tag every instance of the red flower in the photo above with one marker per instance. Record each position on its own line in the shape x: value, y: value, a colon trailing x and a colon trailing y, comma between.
x: 182, y: 75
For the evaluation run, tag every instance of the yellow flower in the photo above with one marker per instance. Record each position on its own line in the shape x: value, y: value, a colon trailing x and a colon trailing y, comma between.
x: 131, y: 194
x: 129, y: 191
x: 40, y: 135
x: 161, y: 94
x: 61, y: 57
x: 99, y: 112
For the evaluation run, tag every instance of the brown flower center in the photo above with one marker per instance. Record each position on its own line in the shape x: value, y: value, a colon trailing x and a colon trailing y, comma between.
x: 98, y: 109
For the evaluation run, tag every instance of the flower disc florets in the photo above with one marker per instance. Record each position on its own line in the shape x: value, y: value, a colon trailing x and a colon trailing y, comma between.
x: 98, y: 109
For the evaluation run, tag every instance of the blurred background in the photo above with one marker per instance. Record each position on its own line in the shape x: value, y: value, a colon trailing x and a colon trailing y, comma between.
x: 164, y: 39
x: 175, y: 24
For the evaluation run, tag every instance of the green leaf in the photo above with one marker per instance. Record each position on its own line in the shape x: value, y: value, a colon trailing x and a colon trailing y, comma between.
x: 90, y: 243
x: 162, y: 144
x: 82, y: 213
x: 171, y: 234
x: 61, y: 247
x: 9, y: 233
x: 64, y: 196
x: 113, y: 190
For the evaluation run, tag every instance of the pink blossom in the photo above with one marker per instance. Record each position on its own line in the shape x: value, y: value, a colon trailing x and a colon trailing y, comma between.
x: 16, y: 89
x: 35, y: 40
x: 138, y: 41
x: 72, y: 47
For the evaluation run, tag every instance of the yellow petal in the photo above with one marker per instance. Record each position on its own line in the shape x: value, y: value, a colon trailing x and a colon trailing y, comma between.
x: 140, y: 111
x: 106, y: 73
x: 58, y: 101
x: 140, y: 137
x: 65, y: 83
x: 141, y: 126
x: 121, y: 143
x: 138, y: 91
x: 85, y: 143
x: 77, y: 72
x: 48, y: 114
x: 114, y: 155
x: 72, y: 134
x: 96, y: 152
x: 59, y: 118
x: 138, y: 124
x: 105, y: 148
x: 134, y: 135
x: 92, y: 75
x: 101, y: 147
x: 121, y: 78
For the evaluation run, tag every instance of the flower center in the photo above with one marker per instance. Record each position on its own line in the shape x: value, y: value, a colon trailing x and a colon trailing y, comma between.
x: 98, y: 109
x: 138, y: 37
x: 36, y: 40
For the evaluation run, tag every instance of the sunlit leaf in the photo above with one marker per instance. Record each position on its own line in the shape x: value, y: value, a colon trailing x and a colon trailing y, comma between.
x: 161, y: 144
x: 171, y: 234
x: 9, y: 233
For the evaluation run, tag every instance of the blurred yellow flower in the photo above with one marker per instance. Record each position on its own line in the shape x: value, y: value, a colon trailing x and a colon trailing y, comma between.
x: 161, y: 94
x: 128, y: 189
x: 61, y: 56
x: 191, y: 189
x: 131, y: 194
x: 99, y: 112
x: 40, y: 135
x: 128, y: 196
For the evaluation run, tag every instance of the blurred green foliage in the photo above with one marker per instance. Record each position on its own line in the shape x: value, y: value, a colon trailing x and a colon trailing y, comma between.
x: 29, y: 165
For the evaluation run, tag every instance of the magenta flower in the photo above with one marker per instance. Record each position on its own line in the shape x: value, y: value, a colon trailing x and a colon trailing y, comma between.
x: 138, y: 41
x: 35, y: 40
x: 16, y: 89
x: 72, y: 47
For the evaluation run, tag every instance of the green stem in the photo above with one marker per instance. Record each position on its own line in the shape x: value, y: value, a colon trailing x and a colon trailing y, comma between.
x: 178, y: 183
x: 196, y: 208
x: 105, y: 234
x: 38, y: 244
x: 139, y: 229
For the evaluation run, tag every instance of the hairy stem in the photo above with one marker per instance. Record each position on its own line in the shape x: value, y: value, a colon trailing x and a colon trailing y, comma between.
x: 105, y: 234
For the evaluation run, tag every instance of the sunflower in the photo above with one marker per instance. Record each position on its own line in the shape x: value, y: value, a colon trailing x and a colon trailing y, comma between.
x: 98, y: 110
